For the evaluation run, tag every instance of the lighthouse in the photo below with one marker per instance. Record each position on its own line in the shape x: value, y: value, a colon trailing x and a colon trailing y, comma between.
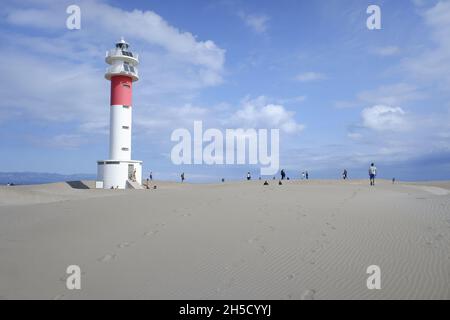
x: 119, y: 171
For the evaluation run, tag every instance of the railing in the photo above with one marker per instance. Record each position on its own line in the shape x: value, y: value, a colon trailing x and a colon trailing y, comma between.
x: 118, y: 53
x: 120, y: 69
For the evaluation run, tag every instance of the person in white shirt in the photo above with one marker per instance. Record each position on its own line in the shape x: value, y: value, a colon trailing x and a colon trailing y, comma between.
x: 372, y: 174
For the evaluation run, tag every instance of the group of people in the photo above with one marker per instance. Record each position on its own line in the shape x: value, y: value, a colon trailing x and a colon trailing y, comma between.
x: 372, y: 174
x: 304, y: 175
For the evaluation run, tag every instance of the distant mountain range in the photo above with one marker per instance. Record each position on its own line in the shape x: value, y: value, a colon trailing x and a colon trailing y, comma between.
x: 21, y: 178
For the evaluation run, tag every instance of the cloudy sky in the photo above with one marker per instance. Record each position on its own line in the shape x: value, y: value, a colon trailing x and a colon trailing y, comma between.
x: 342, y: 95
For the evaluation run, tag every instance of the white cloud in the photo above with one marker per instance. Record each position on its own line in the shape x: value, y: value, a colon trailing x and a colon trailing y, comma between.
x: 395, y: 94
x: 257, y: 22
x: 384, y: 118
x: 101, y: 18
x: 434, y: 63
x: 310, y: 76
x: 60, y: 141
x: 259, y: 113
x: 58, y: 75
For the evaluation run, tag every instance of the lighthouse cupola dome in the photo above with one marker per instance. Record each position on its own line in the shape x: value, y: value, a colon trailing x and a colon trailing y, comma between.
x: 122, y: 44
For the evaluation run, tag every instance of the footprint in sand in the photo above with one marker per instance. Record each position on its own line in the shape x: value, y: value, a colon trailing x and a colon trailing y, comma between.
x: 331, y: 226
x: 124, y: 245
x: 150, y: 233
x: 107, y: 258
x: 438, y: 237
x: 308, y: 295
x: 291, y: 277
x: 252, y: 240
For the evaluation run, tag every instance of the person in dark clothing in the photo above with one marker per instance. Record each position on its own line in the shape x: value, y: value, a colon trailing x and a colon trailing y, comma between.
x: 344, y: 174
x: 283, y: 174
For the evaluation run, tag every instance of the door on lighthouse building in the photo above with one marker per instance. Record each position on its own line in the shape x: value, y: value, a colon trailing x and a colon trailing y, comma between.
x: 130, y: 171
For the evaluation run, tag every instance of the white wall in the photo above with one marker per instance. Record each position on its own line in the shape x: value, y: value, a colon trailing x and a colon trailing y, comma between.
x: 116, y: 174
x: 120, y: 137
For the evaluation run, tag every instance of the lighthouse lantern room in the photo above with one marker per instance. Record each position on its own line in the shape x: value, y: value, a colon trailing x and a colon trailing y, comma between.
x: 120, y: 171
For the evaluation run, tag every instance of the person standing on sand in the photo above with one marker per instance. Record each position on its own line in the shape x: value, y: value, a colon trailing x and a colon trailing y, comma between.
x: 307, y: 175
x: 151, y: 176
x: 249, y: 177
x: 182, y: 177
x: 303, y: 175
x: 372, y: 174
x: 283, y: 174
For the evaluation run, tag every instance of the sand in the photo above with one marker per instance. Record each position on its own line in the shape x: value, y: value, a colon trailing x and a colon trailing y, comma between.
x: 238, y: 240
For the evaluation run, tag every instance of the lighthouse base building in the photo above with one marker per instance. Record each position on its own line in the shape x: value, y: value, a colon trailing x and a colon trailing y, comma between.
x: 120, y: 172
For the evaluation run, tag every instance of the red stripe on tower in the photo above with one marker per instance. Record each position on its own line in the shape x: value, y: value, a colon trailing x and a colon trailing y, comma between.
x: 121, y: 91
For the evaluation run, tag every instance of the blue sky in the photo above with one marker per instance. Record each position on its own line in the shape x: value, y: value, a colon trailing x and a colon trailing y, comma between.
x: 345, y: 96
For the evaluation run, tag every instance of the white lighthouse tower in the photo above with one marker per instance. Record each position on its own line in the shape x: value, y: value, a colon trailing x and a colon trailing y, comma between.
x: 120, y: 171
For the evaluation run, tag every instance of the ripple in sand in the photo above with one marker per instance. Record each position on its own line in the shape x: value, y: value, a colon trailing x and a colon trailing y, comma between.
x: 263, y: 250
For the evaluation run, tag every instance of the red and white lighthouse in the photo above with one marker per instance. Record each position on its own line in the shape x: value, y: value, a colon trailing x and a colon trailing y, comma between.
x: 120, y: 171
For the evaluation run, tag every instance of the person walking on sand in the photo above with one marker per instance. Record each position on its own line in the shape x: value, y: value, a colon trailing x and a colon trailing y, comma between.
x: 307, y: 175
x: 283, y: 174
x: 372, y: 174
x: 151, y: 176
x: 249, y: 177
x: 344, y: 174
x: 182, y: 177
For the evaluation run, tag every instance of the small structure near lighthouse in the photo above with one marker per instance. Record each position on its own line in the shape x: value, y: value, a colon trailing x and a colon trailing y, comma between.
x: 120, y: 171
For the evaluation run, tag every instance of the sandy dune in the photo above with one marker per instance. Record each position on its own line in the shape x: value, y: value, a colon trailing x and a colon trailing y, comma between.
x: 302, y: 240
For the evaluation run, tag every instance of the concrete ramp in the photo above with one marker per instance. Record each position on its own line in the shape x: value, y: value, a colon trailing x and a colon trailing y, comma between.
x: 134, y: 185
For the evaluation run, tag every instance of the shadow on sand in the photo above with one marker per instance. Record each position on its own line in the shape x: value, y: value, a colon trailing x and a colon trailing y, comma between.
x: 77, y: 185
